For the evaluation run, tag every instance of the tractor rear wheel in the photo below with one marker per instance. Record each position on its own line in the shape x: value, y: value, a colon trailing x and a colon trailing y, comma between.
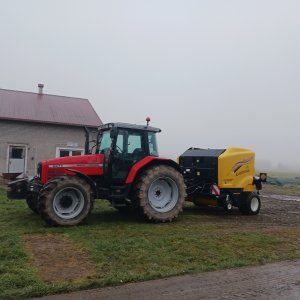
x: 250, y: 204
x: 65, y: 201
x: 160, y: 193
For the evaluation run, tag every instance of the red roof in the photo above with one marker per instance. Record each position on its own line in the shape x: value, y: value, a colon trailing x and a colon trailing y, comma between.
x: 33, y: 107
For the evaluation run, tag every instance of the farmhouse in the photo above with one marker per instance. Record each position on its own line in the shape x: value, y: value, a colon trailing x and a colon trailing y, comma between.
x: 37, y: 126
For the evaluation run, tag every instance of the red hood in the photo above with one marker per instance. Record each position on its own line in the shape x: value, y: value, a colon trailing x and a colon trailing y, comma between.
x: 90, y: 165
x: 79, y: 159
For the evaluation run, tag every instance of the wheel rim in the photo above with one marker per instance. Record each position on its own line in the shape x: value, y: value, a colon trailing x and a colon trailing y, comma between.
x: 163, y: 194
x: 254, y: 204
x: 68, y: 203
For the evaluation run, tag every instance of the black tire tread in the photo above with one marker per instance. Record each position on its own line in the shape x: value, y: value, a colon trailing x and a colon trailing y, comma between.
x: 244, y: 205
x: 47, y: 194
x: 32, y: 202
x: 141, y: 198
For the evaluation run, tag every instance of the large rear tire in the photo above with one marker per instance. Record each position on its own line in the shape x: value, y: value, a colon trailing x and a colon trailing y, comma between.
x: 65, y: 201
x: 160, y: 193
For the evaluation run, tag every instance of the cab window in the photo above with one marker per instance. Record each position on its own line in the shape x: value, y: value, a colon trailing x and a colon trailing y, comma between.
x: 153, y: 150
x: 105, y: 141
x: 134, y: 143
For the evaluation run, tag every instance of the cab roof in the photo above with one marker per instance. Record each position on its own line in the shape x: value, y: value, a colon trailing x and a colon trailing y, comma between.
x: 129, y: 126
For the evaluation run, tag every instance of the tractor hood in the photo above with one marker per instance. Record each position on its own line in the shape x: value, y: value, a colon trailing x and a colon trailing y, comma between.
x: 75, y: 160
x: 91, y: 164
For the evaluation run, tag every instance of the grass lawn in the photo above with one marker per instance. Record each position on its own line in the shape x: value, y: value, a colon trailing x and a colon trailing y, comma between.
x: 124, y: 249
x: 290, y: 190
x: 284, y: 174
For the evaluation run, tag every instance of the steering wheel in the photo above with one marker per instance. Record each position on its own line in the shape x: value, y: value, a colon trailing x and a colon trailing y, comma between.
x: 119, y: 150
x: 137, y: 152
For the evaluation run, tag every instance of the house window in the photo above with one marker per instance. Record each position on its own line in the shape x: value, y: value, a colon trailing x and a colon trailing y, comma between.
x: 62, y: 152
x: 17, y: 152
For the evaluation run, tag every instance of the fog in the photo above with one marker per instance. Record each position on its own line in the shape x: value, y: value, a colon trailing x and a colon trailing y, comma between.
x: 210, y: 74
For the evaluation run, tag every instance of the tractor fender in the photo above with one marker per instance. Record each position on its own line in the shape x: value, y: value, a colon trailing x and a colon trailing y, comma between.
x: 88, y: 179
x: 147, y: 162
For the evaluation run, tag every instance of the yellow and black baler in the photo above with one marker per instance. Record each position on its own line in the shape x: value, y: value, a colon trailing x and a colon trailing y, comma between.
x: 222, y: 177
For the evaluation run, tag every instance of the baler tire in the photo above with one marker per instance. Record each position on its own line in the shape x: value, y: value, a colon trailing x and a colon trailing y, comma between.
x: 250, y: 204
x: 160, y: 185
x: 32, y: 202
x: 65, y: 201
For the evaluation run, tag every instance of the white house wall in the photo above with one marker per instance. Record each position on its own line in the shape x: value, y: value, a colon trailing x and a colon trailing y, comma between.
x: 41, y: 141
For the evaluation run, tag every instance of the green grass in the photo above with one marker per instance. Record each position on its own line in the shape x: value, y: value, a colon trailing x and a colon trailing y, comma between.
x: 124, y: 249
x: 290, y: 190
x: 284, y: 174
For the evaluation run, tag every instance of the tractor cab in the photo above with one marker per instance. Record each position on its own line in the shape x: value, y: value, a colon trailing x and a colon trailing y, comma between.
x: 123, y: 146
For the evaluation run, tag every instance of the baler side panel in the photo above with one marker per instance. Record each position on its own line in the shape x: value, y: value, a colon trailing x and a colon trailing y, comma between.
x: 236, y: 169
x: 201, y: 164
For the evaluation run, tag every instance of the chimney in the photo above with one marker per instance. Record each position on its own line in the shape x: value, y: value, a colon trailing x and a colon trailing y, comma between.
x: 40, y: 86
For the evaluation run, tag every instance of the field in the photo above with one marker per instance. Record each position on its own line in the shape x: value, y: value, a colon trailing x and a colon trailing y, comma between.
x: 284, y: 174
x: 113, y: 248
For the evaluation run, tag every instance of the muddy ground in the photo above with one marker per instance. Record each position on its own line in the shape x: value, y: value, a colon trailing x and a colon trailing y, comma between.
x: 56, y: 258
x: 276, y: 211
x: 274, y: 281
x: 280, y: 210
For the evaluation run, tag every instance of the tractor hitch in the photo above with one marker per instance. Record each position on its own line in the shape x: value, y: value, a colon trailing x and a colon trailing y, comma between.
x: 20, y: 189
x: 17, y: 189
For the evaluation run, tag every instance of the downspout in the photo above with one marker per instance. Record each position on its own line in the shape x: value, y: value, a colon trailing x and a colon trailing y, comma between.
x: 87, y: 141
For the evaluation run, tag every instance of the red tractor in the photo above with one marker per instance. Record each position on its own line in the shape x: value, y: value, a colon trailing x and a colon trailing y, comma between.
x: 125, y: 169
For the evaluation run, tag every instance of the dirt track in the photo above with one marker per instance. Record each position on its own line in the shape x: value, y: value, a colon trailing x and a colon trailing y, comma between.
x: 273, y: 281
x: 273, y: 213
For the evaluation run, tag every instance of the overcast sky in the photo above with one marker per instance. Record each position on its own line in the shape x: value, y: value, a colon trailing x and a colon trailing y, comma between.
x: 211, y: 74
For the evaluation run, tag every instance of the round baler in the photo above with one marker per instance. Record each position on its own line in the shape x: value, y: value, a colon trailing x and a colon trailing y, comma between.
x: 222, y: 177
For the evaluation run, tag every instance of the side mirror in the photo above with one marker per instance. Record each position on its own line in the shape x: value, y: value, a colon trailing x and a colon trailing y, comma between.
x: 113, y: 133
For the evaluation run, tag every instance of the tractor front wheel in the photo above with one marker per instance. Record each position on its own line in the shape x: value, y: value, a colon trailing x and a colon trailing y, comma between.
x: 160, y: 193
x: 32, y: 202
x: 65, y: 201
x: 32, y: 199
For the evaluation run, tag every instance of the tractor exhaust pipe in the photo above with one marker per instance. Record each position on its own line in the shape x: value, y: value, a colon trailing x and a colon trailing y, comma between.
x: 87, y: 141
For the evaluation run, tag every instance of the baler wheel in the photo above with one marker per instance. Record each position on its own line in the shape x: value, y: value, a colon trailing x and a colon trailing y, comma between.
x: 159, y: 193
x: 66, y: 201
x: 250, y: 204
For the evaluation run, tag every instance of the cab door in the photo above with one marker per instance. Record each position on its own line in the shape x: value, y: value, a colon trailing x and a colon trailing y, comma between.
x: 128, y: 150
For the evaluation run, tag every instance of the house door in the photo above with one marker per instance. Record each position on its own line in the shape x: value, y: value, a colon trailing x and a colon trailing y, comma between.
x: 16, y: 159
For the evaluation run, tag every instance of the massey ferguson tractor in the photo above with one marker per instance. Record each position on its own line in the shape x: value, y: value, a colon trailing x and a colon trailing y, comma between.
x: 126, y: 170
